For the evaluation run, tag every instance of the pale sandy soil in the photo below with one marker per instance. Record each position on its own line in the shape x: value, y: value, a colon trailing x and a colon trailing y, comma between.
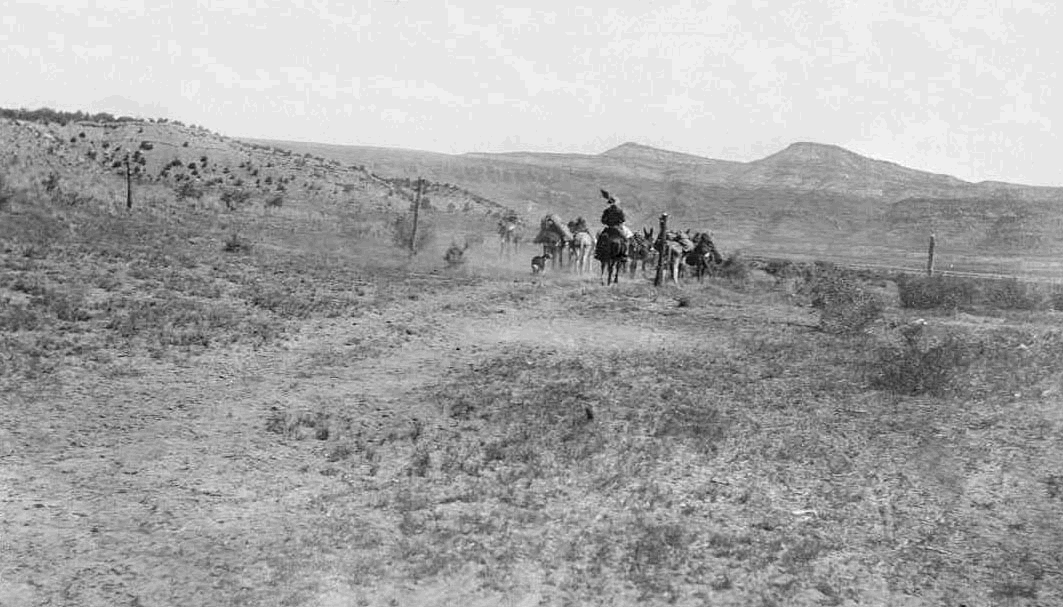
x: 158, y: 484
x: 191, y: 480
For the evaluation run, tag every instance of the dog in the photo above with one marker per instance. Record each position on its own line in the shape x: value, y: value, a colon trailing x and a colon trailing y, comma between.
x: 539, y: 263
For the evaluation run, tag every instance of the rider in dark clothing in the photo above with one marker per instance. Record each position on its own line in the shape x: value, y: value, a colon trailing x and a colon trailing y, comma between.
x: 613, y: 216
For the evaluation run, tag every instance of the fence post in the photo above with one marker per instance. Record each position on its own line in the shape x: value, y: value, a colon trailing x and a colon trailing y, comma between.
x: 930, y: 257
x: 416, y: 211
x: 128, y: 185
x: 660, y: 250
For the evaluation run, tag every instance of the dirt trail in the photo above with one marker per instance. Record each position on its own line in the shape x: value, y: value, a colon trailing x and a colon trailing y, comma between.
x: 159, y: 484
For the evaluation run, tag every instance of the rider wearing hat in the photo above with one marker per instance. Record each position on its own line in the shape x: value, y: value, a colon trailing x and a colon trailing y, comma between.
x: 613, y: 215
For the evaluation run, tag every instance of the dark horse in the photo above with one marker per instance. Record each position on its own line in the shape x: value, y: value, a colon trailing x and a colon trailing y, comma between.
x: 611, y: 251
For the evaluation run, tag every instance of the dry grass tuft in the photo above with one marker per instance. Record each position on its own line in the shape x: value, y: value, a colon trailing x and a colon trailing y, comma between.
x: 845, y: 306
x: 952, y: 293
x: 302, y: 425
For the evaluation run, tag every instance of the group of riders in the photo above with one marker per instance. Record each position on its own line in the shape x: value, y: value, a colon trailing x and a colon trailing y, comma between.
x: 636, y: 247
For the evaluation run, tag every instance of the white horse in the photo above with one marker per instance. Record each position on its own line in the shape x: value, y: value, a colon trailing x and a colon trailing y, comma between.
x: 582, y: 248
x: 674, y: 255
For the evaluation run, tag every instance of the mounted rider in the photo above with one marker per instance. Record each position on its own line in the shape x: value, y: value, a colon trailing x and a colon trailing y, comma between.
x: 613, y: 219
x: 613, y: 216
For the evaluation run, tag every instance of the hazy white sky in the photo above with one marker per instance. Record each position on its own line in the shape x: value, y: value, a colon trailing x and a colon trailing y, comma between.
x: 964, y: 87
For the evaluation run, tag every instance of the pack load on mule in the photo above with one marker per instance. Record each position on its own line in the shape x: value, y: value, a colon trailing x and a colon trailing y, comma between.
x: 550, y: 228
x: 508, y: 222
x: 581, y: 245
x: 553, y: 235
x: 682, y: 238
x: 578, y: 225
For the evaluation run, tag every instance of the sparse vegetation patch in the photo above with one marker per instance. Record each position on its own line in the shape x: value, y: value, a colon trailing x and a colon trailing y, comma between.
x: 844, y: 304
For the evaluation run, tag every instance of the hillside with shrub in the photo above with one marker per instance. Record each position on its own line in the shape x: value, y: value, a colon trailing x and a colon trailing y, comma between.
x: 808, y: 199
x: 79, y: 157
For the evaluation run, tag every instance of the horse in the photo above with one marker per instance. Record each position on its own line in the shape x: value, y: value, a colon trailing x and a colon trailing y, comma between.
x: 641, y: 249
x: 509, y: 237
x: 554, y: 236
x: 703, y: 253
x: 580, y: 251
x: 611, y: 251
x: 673, y: 254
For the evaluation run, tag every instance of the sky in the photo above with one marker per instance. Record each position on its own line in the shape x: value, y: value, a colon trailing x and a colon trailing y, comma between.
x: 962, y: 87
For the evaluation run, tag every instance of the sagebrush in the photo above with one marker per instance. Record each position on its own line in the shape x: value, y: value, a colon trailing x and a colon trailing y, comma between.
x: 844, y: 304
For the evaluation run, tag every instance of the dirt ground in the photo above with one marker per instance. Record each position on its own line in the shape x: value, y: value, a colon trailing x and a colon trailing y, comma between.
x: 281, y: 474
x: 158, y: 483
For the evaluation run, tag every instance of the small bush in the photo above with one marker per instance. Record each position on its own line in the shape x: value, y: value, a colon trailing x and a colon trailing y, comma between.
x: 928, y: 292
x: 784, y: 268
x: 402, y: 233
x: 234, y: 199
x: 733, y: 268
x: 844, y: 305
x: 188, y: 190
x: 275, y: 202
x: 951, y: 292
x: 300, y: 425
x: 7, y: 194
x: 51, y: 184
x: 235, y: 244
x: 922, y: 364
x: 455, y: 255
x: 1014, y: 295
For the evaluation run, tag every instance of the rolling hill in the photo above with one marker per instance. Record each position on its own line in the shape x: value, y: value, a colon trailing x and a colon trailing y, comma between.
x: 81, y: 159
x: 809, y: 198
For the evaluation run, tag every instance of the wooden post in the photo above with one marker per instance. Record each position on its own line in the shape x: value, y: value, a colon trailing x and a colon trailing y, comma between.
x: 660, y: 251
x: 128, y: 185
x: 416, y: 211
x: 930, y: 257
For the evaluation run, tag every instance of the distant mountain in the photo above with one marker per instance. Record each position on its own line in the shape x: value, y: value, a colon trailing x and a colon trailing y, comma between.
x: 809, y: 197
x: 818, y: 167
x: 643, y: 154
